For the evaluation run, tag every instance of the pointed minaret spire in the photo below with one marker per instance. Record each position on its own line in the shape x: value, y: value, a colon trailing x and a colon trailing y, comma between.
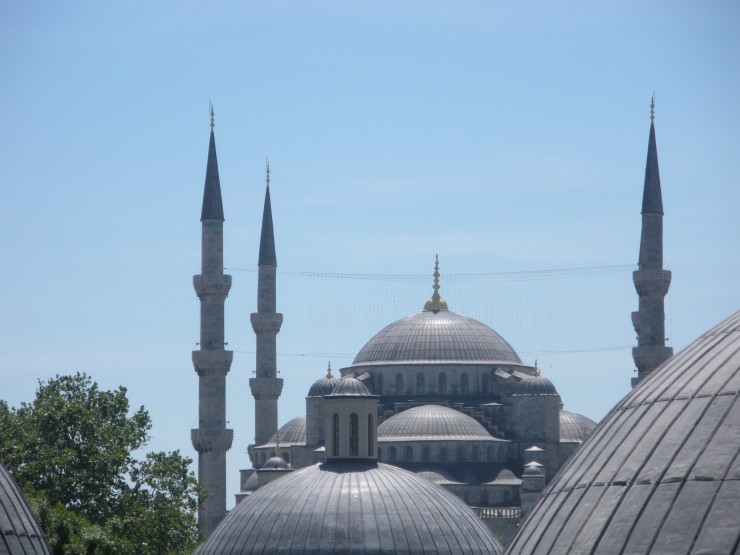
x: 651, y: 280
x: 211, y: 439
x: 267, y: 255
x: 435, y: 303
x: 212, y: 206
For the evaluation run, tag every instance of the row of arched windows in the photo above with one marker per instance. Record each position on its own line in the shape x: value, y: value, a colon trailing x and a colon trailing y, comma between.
x: 442, y: 384
x: 408, y: 453
x: 262, y: 456
x: 354, y: 434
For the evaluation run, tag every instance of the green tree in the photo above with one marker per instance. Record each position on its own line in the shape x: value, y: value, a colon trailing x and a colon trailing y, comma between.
x: 71, y: 452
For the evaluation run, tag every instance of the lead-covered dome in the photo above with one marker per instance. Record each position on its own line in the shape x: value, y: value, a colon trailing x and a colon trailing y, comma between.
x: 574, y: 427
x: 351, y: 507
x: 323, y: 386
x: 661, y: 472
x: 535, y: 385
x: 436, y: 337
x: 19, y: 531
x: 432, y: 422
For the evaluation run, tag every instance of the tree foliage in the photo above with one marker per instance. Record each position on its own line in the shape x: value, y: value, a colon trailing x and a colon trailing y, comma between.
x: 71, y: 451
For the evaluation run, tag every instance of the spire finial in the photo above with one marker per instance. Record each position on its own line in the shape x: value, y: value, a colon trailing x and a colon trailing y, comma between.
x: 536, y: 370
x: 210, y: 105
x: 652, y: 108
x: 436, y: 303
x: 328, y: 372
x: 277, y: 443
x: 267, y: 171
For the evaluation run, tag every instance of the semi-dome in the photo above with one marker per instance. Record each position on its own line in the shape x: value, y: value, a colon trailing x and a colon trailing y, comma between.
x: 661, y: 472
x: 351, y: 507
x: 293, y: 432
x: 506, y: 477
x: 574, y: 427
x: 251, y: 483
x: 438, y: 476
x: 432, y: 422
x: 19, y: 531
x: 323, y: 386
x: 535, y: 385
x: 436, y: 338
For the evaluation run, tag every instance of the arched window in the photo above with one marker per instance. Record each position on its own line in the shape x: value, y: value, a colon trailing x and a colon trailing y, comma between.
x: 399, y: 383
x: 464, y: 382
x: 442, y: 382
x: 379, y: 384
x: 380, y: 454
x: 392, y: 453
x: 475, y: 453
x: 425, y: 454
x: 460, y: 454
x: 507, y: 496
x: 485, y: 383
x: 370, y: 424
x: 408, y: 454
x: 484, y: 497
x: 286, y: 457
x: 501, y: 453
x: 354, y: 435
x: 489, y: 453
x: 443, y: 454
x: 420, y: 382
x: 335, y: 434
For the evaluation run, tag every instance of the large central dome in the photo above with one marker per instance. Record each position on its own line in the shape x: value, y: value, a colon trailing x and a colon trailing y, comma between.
x: 436, y: 337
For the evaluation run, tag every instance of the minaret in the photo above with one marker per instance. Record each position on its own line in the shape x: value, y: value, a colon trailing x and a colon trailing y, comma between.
x: 211, y: 439
x: 651, y: 280
x: 266, y: 387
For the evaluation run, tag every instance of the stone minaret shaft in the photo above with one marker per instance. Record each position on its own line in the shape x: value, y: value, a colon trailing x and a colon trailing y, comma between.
x: 211, y: 439
x: 266, y: 386
x: 651, y: 280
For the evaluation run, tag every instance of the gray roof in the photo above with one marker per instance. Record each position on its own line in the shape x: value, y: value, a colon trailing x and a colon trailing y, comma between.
x: 652, y: 199
x: 661, y: 473
x: 276, y: 463
x: 574, y: 427
x: 351, y: 507
x: 293, y: 432
x: 432, y: 422
x: 506, y: 478
x: 267, y: 256
x: 322, y: 387
x: 535, y: 385
x: 19, y: 531
x: 441, y: 337
x: 213, y: 208
x: 438, y: 476
x: 251, y: 483
x: 350, y: 387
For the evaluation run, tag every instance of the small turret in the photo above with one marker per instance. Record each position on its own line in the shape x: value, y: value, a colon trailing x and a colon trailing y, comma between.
x: 351, y: 422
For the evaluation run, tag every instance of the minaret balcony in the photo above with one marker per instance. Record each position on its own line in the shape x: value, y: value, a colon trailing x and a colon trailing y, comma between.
x: 652, y: 282
x: 266, y: 322
x: 212, y: 363
x: 266, y: 388
x: 207, y: 440
x: 212, y: 285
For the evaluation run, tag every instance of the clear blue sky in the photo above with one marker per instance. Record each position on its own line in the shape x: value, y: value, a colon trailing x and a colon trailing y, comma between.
x: 503, y: 136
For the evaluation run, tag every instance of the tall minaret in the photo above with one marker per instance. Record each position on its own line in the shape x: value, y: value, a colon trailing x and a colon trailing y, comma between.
x: 211, y: 439
x: 651, y: 280
x: 266, y: 387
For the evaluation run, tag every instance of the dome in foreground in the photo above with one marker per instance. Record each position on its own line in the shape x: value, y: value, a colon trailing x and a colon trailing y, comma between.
x: 661, y: 473
x: 436, y: 337
x: 19, y: 531
x: 293, y: 432
x: 351, y: 507
x: 432, y: 422
x: 574, y: 427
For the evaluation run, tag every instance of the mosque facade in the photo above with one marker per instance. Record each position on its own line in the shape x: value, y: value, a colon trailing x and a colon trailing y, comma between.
x: 453, y: 404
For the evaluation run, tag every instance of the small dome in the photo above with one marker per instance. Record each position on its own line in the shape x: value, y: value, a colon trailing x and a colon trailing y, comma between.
x: 324, y: 386
x: 438, y: 476
x: 506, y: 478
x: 293, y: 432
x: 19, y: 531
x: 574, y: 427
x: 251, y: 483
x: 351, y: 386
x: 432, y: 422
x: 660, y: 473
x: 436, y: 338
x: 533, y: 471
x: 351, y: 507
x: 535, y: 385
x: 276, y: 463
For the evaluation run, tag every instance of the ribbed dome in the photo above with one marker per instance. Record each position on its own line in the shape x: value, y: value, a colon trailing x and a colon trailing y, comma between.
x: 322, y: 387
x: 535, y: 385
x: 438, y: 476
x: 351, y: 507
x: 351, y: 386
x: 432, y: 422
x: 661, y: 472
x: 19, y: 531
x: 574, y: 427
x: 506, y: 477
x: 276, y: 463
x: 441, y: 337
x: 293, y: 432
x: 251, y: 483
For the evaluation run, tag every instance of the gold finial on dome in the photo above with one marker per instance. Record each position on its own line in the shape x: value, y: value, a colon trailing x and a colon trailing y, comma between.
x: 328, y: 372
x: 277, y: 443
x: 435, y: 303
x: 536, y: 369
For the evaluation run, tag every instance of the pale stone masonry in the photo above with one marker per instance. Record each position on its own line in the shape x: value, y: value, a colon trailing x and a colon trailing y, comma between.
x: 651, y: 280
x: 212, y: 362
x: 266, y: 386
